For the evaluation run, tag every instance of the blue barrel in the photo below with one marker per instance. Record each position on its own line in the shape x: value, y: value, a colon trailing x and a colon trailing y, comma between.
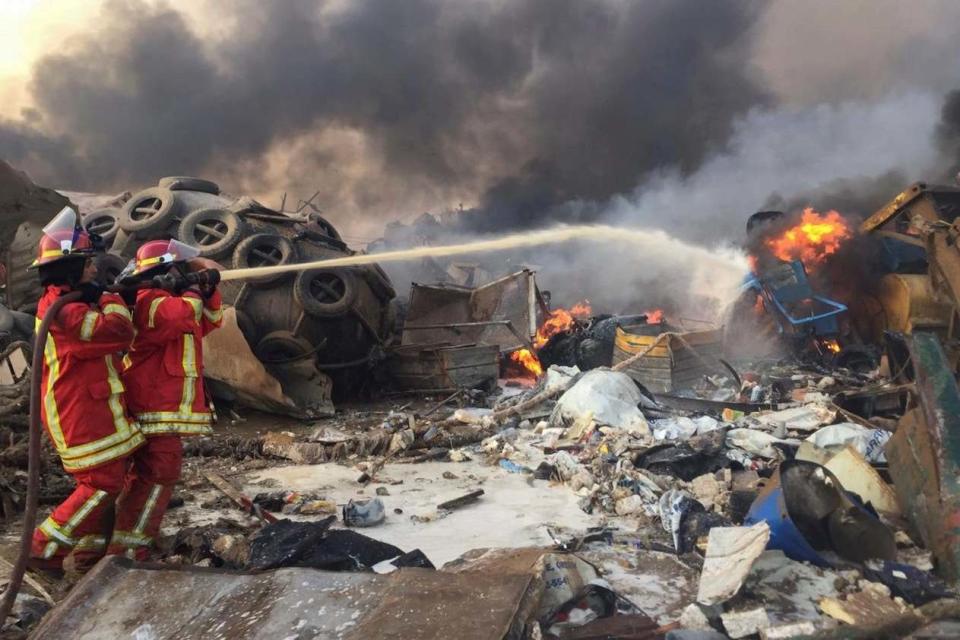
x: 784, y: 535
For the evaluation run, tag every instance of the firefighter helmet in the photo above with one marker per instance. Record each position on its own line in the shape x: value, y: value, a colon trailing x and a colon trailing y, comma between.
x: 157, y: 253
x: 63, y: 238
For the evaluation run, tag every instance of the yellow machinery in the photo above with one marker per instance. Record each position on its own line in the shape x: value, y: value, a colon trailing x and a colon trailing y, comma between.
x: 919, y: 230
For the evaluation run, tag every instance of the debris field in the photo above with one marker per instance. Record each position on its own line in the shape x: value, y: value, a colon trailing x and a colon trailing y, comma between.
x: 481, y: 463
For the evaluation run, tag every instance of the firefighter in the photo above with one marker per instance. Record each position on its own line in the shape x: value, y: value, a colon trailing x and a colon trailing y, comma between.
x: 164, y: 381
x: 82, y: 408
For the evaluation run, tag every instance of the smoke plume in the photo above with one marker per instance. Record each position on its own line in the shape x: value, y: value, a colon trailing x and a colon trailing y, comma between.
x: 681, y: 115
x: 516, y: 104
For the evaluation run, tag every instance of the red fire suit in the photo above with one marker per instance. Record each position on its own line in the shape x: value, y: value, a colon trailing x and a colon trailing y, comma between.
x: 165, y: 391
x: 85, y: 415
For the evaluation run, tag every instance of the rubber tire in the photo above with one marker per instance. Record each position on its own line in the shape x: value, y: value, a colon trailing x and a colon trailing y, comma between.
x: 380, y: 283
x: 97, y: 222
x: 247, y: 327
x: 187, y: 183
x: 229, y: 227
x: 163, y: 203
x: 109, y: 266
x: 255, y: 246
x: 319, y: 228
x: 593, y: 353
x: 281, y: 347
x: 340, y: 282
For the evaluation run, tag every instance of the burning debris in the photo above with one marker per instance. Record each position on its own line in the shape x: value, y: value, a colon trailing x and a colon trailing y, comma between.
x: 558, y: 322
x: 810, y: 241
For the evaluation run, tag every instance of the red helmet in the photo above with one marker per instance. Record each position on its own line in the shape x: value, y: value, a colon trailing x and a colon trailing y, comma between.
x: 63, y: 238
x: 160, y: 252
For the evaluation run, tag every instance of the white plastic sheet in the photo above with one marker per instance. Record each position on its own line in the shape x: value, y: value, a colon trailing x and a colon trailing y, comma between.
x: 806, y: 418
x: 611, y: 398
x: 869, y: 442
x: 731, y: 552
x: 756, y: 443
x: 683, y: 428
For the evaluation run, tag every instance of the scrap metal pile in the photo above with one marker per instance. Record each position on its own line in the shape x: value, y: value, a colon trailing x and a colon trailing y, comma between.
x: 810, y: 490
x: 791, y: 472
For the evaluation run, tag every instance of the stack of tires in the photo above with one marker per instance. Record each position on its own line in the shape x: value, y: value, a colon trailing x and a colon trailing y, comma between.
x: 339, y: 319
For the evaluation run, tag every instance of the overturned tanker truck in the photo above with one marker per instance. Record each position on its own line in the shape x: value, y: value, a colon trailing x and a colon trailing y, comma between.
x: 315, y: 334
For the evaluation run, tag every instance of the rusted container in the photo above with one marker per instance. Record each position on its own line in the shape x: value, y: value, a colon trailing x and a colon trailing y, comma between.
x: 924, y: 455
x: 415, y: 367
x: 671, y: 364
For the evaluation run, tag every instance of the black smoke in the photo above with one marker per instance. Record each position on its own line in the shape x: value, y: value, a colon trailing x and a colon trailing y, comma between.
x: 528, y: 103
x: 948, y: 135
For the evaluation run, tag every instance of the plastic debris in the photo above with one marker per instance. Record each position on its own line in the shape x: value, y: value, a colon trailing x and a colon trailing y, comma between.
x: 809, y: 417
x: 740, y: 624
x: 869, y: 442
x: 364, y: 513
x: 610, y: 397
x: 731, y: 552
x: 808, y: 512
x: 756, y: 443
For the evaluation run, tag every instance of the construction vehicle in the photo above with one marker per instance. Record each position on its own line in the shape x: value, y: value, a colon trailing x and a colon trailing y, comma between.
x: 920, y: 290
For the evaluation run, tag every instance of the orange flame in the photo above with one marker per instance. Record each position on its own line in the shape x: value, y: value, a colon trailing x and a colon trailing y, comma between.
x: 654, y: 317
x: 831, y: 345
x: 816, y: 237
x: 528, y: 360
x: 559, y: 320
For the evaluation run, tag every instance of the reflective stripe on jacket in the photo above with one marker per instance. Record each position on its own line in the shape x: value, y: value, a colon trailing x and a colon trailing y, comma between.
x: 164, y: 373
x: 83, y: 407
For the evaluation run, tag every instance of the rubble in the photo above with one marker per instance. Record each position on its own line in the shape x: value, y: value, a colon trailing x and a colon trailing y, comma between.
x: 730, y: 553
x: 655, y: 483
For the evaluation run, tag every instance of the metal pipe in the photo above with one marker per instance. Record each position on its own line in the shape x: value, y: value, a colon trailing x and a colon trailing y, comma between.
x: 33, y: 455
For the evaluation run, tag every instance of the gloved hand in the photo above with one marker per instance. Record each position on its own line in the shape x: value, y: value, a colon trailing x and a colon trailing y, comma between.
x: 207, y: 279
x: 171, y: 282
x: 129, y: 296
x: 90, y: 292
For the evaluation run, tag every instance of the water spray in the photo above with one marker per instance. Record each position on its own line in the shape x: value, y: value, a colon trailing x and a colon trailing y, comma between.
x: 643, y: 241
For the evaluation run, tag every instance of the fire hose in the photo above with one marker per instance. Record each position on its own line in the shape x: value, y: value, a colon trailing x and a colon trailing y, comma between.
x: 166, y: 281
x: 33, y: 456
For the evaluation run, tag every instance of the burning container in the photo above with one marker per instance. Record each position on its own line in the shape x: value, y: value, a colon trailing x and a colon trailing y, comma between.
x: 676, y: 363
x: 800, y: 311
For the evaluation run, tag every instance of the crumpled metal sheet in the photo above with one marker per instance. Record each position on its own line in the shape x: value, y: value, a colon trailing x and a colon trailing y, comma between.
x: 123, y: 599
x: 924, y: 455
x: 236, y: 372
x: 464, y: 311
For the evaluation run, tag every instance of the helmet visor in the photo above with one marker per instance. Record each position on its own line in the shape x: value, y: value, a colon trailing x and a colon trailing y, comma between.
x: 181, y: 251
x: 64, y: 230
x: 173, y: 252
x: 128, y: 271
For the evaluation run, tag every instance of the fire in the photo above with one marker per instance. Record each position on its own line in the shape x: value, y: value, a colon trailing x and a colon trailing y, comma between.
x: 654, y: 317
x: 816, y: 237
x: 528, y: 360
x: 559, y: 320
x: 831, y: 345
